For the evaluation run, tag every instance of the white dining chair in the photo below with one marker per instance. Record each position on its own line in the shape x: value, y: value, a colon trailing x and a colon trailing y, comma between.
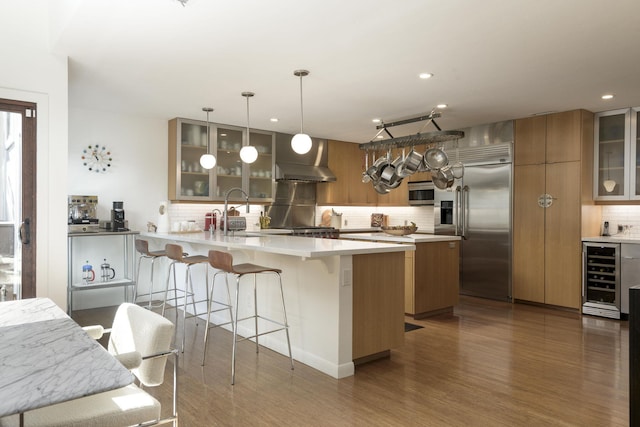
x: 141, y: 340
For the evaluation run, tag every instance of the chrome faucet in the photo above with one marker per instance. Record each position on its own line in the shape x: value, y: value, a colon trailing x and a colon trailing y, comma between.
x: 226, y: 206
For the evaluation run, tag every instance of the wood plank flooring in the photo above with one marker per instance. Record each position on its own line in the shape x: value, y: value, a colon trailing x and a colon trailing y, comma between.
x: 489, y: 364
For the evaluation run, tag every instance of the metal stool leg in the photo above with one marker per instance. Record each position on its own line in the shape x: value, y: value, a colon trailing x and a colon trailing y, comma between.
x: 255, y: 309
x: 235, y: 335
x: 286, y: 322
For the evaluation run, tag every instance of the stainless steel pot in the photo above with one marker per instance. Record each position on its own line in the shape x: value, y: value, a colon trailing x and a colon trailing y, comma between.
x: 435, y: 158
x: 410, y: 164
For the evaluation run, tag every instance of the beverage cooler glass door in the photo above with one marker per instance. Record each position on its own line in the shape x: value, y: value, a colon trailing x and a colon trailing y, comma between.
x: 601, y: 279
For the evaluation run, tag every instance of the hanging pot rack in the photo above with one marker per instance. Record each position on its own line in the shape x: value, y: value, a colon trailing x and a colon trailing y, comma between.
x: 420, y: 138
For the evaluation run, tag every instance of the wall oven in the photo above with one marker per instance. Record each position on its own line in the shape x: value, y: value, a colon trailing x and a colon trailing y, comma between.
x: 421, y: 193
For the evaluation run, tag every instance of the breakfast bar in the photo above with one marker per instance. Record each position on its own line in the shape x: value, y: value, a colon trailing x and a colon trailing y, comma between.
x: 344, y: 298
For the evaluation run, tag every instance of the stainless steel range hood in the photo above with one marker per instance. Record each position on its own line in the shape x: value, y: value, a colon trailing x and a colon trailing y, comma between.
x: 310, y: 167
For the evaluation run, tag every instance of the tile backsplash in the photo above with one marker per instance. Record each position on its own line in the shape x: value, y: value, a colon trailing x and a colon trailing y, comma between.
x: 352, y: 216
x: 622, y: 215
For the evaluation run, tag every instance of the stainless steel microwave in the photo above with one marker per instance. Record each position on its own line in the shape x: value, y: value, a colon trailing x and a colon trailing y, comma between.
x: 421, y: 193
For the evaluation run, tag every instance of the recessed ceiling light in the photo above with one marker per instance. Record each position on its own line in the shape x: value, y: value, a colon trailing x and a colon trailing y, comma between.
x: 442, y: 106
x: 607, y: 96
x: 376, y: 120
x: 425, y: 75
x: 223, y: 134
x: 380, y: 136
x: 274, y: 119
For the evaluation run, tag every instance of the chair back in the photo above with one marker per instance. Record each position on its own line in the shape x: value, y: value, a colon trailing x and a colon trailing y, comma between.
x: 138, y: 329
x: 174, y: 251
x: 142, y: 246
x: 221, y: 261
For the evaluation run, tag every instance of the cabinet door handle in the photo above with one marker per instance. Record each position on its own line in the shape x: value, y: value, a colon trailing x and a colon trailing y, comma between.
x: 25, y: 231
x: 546, y: 200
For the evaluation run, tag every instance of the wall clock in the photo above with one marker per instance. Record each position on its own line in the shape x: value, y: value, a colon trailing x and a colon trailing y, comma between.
x: 97, y: 158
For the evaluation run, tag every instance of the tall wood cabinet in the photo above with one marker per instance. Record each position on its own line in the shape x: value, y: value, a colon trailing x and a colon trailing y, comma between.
x: 553, y: 163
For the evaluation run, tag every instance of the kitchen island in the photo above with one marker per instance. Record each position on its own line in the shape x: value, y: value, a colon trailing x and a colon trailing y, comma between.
x: 344, y: 298
x: 432, y: 271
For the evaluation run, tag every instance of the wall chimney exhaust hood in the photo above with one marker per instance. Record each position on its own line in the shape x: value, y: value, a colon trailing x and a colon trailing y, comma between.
x: 309, y: 167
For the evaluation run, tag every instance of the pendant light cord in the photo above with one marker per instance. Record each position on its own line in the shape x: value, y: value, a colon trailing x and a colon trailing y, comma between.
x: 208, y: 137
x: 248, y: 132
x: 301, y: 109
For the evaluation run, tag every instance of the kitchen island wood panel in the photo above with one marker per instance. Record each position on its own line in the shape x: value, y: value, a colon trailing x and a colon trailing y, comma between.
x: 436, y: 286
x: 378, y: 296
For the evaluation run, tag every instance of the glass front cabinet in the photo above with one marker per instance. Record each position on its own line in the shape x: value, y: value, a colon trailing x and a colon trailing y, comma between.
x: 617, y: 155
x: 189, y: 181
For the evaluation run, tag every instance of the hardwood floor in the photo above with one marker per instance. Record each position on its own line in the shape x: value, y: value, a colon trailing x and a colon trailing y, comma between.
x: 489, y: 364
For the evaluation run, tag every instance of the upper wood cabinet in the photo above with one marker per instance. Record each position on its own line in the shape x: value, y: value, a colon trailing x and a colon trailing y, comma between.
x: 548, y: 139
x: 346, y: 161
x: 189, y: 181
x: 616, y: 155
x: 552, y: 175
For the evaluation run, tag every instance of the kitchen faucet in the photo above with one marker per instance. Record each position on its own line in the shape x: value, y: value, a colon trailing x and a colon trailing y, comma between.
x: 226, y: 206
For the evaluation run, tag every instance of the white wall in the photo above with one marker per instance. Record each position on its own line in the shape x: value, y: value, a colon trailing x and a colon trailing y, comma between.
x: 138, y: 175
x: 29, y: 72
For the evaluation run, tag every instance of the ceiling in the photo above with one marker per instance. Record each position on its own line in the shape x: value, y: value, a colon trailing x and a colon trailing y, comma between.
x: 492, y: 60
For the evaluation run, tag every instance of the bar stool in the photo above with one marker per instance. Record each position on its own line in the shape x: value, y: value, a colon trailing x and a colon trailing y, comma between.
x: 223, y: 261
x: 175, y: 253
x: 222, y: 307
x: 142, y: 247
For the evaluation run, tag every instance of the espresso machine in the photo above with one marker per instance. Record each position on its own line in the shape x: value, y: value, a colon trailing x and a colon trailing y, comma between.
x: 82, y: 214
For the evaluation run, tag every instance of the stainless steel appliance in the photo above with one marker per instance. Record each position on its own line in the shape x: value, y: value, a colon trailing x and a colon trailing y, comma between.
x: 477, y: 207
x: 421, y: 193
x: 294, y: 205
x: 318, y: 232
x: 601, y: 279
x: 82, y: 214
x: 117, y: 217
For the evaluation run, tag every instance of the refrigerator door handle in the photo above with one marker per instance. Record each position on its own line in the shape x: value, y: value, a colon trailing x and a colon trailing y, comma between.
x: 458, y: 211
x: 465, y: 210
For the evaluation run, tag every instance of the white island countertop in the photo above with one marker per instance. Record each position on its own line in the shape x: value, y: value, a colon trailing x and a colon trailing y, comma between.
x: 408, y: 239
x: 306, y: 247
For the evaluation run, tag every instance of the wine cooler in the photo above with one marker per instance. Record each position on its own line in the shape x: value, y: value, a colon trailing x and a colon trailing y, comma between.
x: 601, y: 279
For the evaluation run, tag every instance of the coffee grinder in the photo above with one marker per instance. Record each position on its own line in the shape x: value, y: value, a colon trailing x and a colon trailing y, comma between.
x: 117, y: 217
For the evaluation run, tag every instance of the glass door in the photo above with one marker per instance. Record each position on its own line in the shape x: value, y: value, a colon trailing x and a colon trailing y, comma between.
x: 17, y: 199
x: 635, y: 153
x: 194, y: 179
x: 261, y: 171
x: 612, y: 155
x: 229, y: 167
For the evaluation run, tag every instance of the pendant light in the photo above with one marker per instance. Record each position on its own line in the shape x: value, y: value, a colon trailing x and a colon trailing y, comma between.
x: 248, y: 153
x: 208, y: 160
x: 609, y: 184
x: 301, y: 142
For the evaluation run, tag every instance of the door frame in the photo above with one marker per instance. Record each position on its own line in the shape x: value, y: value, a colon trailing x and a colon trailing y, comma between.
x: 29, y: 193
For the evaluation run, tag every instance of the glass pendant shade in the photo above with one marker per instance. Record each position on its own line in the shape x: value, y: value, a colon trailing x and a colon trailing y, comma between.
x: 248, y: 154
x: 301, y: 143
x: 609, y: 185
x: 208, y: 160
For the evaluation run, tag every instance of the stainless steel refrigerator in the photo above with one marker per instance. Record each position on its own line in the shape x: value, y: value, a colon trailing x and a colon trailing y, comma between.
x: 478, y: 208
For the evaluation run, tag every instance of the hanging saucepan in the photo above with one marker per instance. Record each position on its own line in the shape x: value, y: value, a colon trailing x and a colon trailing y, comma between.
x: 410, y: 164
x: 389, y: 176
x: 381, y: 188
x: 374, y: 170
x: 365, y: 175
x: 442, y: 178
x: 435, y: 158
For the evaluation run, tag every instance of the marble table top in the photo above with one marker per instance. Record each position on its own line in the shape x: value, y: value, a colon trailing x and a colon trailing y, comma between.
x: 46, y: 358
